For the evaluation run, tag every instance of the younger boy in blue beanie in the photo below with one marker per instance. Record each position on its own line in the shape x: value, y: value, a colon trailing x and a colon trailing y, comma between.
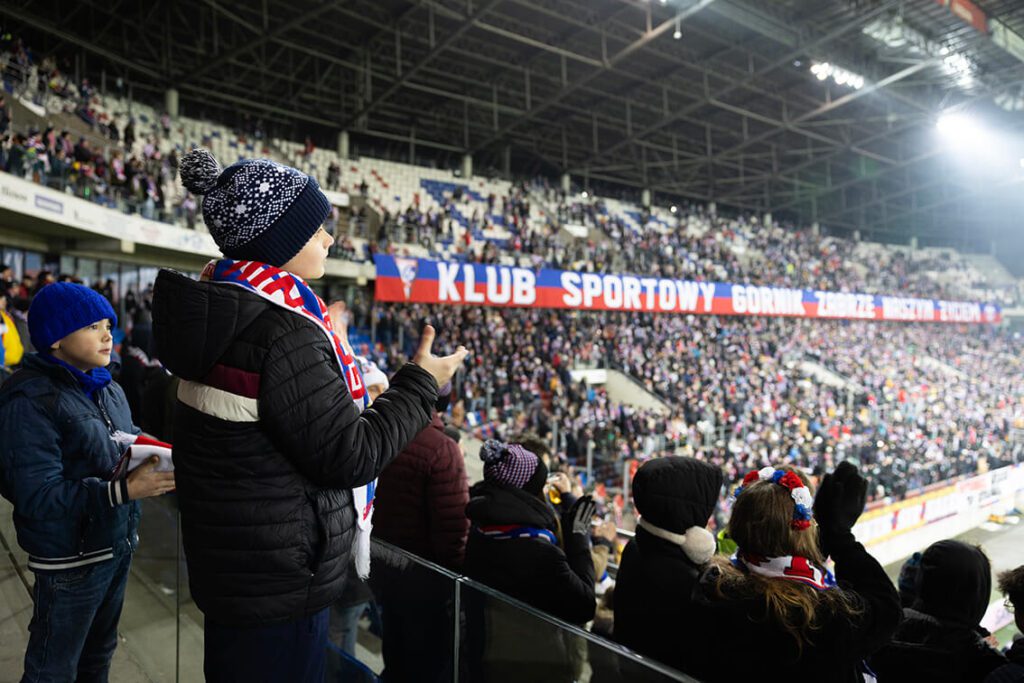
x: 64, y: 427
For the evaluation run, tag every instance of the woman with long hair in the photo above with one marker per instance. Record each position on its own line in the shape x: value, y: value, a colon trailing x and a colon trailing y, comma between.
x: 774, y: 606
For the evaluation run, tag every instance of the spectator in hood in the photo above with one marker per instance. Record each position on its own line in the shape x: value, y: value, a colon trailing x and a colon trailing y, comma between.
x: 514, y: 547
x: 661, y: 566
x: 940, y: 638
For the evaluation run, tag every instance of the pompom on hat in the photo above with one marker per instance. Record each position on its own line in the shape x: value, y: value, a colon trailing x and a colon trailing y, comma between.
x: 255, y: 209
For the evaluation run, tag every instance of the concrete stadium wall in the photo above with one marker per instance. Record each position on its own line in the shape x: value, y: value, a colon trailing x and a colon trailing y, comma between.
x: 894, y: 532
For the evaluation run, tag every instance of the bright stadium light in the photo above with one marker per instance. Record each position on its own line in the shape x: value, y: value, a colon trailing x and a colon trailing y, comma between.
x: 980, y: 148
x: 825, y: 70
x: 960, y: 128
x: 679, y: 30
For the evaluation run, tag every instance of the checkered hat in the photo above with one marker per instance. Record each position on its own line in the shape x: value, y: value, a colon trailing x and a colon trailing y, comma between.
x: 513, y: 465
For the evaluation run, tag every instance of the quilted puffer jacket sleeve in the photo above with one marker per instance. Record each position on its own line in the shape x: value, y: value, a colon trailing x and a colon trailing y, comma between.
x: 448, y: 494
x: 306, y: 407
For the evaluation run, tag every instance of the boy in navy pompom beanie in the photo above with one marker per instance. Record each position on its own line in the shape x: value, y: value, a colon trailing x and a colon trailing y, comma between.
x: 255, y: 209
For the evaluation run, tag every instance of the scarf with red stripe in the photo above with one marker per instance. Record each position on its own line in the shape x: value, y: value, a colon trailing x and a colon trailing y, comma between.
x: 786, y: 567
x: 291, y: 292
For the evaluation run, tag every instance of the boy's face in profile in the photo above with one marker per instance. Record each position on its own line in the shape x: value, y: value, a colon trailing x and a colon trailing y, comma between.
x: 309, y: 262
x: 88, y: 348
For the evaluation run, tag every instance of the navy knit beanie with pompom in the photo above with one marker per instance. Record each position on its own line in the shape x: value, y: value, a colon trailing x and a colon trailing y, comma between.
x: 255, y: 209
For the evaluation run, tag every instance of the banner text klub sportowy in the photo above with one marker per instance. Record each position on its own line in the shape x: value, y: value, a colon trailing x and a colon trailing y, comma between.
x: 426, y: 281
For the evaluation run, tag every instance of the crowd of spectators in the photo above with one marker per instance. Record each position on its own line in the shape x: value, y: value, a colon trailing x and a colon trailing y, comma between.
x: 915, y: 404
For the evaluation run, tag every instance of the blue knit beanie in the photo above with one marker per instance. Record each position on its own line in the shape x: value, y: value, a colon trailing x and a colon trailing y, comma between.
x: 255, y: 209
x: 63, y: 308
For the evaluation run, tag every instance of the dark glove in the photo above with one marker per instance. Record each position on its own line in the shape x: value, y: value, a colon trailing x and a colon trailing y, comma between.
x: 840, y: 501
x: 577, y: 520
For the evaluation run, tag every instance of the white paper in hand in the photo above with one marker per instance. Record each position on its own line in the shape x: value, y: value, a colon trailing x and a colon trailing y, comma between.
x: 141, y: 454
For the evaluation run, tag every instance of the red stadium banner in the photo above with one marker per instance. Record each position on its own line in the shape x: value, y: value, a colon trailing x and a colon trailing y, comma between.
x: 968, y: 12
x: 439, y: 282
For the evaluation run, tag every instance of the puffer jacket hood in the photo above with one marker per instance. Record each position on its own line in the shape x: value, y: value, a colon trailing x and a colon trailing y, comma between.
x: 954, y: 583
x: 196, y: 322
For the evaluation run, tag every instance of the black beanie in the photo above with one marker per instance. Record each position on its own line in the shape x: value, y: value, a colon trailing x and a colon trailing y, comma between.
x: 676, y: 493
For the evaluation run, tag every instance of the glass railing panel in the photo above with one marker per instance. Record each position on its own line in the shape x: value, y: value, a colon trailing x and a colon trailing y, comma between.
x: 401, y: 623
x: 148, y: 626
x: 147, y: 646
x: 507, y: 640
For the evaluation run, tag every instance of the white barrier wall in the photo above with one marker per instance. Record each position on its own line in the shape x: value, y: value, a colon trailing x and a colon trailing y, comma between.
x: 895, y: 531
x: 57, y: 207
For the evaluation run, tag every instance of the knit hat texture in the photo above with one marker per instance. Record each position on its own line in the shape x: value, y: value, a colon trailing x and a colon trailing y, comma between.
x: 513, y: 465
x: 255, y: 209
x: 62, y: 308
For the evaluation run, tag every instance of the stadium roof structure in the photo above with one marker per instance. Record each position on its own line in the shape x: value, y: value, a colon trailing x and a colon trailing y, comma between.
x: 713, y: 100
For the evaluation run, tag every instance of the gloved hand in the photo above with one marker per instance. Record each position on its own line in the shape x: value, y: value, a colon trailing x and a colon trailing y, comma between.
x: 577, y: 519
x: 840, y: 501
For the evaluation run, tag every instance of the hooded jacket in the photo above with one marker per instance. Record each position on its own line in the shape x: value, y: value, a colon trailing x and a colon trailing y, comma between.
x: 505, y: 642
x: 656, y: 577
x: 535, y: 571
x: 940, y: 639
x: 267, y: 445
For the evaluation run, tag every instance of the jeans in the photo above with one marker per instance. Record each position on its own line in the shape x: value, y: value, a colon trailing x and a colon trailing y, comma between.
x: 345, y: 626
x: 73, y: 631
x: 292, y: 652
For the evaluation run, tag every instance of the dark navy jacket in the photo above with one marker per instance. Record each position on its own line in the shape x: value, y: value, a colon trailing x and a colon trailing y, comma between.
x: 58, y: 450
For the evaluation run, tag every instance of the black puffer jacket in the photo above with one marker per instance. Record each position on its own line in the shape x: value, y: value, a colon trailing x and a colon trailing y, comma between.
x: 267, y: 445
x: 504, y: 642
x: 532, y: 570
x: 657, y: 577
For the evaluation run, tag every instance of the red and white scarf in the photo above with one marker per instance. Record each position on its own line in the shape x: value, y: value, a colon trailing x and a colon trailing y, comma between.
x: 786, y: 567
x: 291, y: 292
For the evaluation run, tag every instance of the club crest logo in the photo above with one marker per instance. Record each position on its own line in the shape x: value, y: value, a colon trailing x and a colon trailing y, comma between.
x: 407, y: 271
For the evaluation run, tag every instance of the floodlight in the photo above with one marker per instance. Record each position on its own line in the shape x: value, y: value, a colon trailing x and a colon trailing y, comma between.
x: 956, y: 125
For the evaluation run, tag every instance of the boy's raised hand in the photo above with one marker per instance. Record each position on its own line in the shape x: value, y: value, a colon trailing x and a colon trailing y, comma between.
x: 442, y: 368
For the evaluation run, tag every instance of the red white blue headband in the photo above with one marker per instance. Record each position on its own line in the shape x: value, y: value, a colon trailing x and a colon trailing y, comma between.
x: 801, y: 495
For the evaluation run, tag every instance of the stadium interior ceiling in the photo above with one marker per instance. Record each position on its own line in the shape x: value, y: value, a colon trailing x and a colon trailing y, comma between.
x: 707, y: 100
